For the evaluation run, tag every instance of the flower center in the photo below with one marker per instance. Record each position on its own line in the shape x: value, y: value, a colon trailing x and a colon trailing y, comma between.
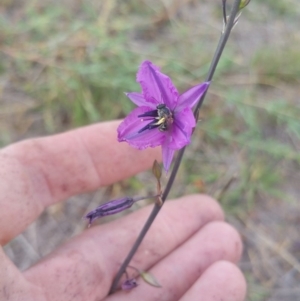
x: 161, y: 118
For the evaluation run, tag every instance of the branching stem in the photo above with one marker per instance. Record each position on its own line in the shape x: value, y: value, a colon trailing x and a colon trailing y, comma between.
x: 219, y: 50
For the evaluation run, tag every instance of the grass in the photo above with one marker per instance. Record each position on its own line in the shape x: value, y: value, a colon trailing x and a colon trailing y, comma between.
x: 66, y: 66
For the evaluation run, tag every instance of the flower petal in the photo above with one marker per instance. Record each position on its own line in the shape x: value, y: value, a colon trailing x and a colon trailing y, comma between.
x: 191, y: 96
x: 185, y: 119
x: 157, y: 87
x: 128, y: 130
x: 167, y: 154
x: 182, y: 128
x: 139, y: 100
x: 179, y: 138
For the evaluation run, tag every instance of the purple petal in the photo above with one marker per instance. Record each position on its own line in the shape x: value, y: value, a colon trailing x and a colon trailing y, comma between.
x: 139, y: 100
x: 191, y: 96
x: 157, y: 87
x: 128, y: 130
x: 179, y: 138
x: 167, y: 154
x: 185, y: 119
x: 181, y: 130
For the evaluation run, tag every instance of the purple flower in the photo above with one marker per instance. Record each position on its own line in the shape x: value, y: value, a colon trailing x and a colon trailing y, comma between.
x: 163, y: 117
x: 129, y: 284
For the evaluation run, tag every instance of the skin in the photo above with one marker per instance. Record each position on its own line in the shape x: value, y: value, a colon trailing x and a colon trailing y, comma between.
x: 190, y: 249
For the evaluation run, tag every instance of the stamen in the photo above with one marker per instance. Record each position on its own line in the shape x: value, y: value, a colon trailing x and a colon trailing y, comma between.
x: 149, y: 126
x: 149, y: 113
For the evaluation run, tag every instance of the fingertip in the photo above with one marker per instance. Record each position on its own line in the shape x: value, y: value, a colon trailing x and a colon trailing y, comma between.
x: 235, y: 275
x: 223, y: 280
x: 224, y: 233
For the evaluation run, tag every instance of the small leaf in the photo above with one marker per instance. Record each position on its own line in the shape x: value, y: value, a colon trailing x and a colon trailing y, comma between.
x: 149, y: 278
x: 244, y: 3
x: 156, y: 170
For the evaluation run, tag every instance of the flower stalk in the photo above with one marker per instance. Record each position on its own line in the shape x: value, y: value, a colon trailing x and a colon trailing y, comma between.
x: 219, y: 50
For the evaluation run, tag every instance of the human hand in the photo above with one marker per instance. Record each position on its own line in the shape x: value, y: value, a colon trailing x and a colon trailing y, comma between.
x: 190, y: 249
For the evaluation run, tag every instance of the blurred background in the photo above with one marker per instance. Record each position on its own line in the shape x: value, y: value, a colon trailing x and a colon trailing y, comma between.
x: 66, y: 63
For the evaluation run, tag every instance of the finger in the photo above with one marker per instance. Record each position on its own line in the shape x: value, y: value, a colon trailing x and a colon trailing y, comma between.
x: 13, y: 286
x: 39, y: 172
x: 177, y: 272
x: 221, y: 281
x: 87, y: 264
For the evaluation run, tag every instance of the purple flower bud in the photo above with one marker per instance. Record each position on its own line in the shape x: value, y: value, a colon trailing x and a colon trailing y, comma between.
x: 109, y: 208
x: 112, y: 207
x: 129, y: 284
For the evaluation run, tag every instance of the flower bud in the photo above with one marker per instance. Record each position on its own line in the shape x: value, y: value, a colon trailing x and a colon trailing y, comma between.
x: 113, y: 207
x: 129, y: 284
x: 156, y: 170
x: 149, y: 278
x: 109, y: 208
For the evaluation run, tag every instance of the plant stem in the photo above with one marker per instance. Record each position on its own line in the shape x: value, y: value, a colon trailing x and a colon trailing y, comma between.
x: 222, y: 42
x: 224, y: 12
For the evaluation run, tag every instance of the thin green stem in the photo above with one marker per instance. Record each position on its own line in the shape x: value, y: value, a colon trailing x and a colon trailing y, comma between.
x: 222, y: 42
